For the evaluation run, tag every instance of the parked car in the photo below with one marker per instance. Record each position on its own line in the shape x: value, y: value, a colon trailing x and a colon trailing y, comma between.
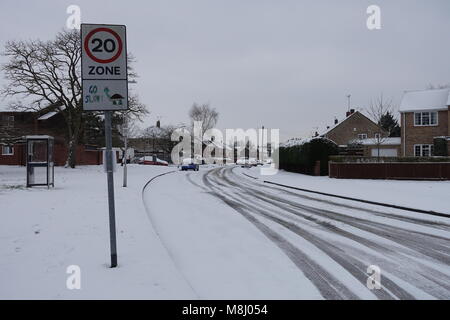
x: 246, y: 162
x: 253, y: 162
x: 188, y: 164
x: 152, y: 160
x: 220, y: 160
x: 241, y: 161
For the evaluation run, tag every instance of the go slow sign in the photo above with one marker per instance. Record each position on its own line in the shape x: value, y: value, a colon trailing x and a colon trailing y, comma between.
x: 104, y: 67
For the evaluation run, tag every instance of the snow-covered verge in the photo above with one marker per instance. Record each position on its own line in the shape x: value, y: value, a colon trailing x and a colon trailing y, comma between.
x: 220, y: 253
x: 425, y: 195
x: 42, y: 232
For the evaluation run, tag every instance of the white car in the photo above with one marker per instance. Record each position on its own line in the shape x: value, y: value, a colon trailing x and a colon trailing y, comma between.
x: 253, y: 162
x: 242, y: 161
x: 246, y: 162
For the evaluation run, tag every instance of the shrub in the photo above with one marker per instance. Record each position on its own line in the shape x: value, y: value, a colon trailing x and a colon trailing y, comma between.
x: 440, y: 147
x: 301, y: 157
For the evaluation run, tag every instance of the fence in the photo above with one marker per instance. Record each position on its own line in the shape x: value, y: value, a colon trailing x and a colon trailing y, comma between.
x: 390, y: 170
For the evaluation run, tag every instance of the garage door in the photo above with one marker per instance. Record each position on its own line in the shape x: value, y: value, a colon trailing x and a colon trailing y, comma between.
x: 384, y: 153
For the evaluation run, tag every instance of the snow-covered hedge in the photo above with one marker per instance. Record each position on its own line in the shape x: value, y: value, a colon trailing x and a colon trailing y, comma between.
x: 300, y: 155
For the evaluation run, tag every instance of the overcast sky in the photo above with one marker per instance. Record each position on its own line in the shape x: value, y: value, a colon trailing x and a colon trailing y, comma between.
x: 286, y: 64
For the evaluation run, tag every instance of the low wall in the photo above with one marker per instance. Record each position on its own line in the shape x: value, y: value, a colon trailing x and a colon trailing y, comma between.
x: 391, y: 170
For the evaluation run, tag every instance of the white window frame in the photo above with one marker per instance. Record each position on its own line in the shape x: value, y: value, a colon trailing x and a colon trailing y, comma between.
x: 431, y: 148
x: 9, y: 153
x: 429, y: 117
x: 362, y: 135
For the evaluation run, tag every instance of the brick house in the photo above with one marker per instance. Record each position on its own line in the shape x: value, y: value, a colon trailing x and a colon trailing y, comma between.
x: 424, y: 116
x: 359, y: 135
x: 15, y: 125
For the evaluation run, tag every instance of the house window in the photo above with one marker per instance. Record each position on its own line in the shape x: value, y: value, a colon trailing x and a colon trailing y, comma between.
x: 377, y: 136
x: 423, y: 150
x: 362, y: 136
x: 7, y: 121
x: 426, y: 118
x: 7, y: 150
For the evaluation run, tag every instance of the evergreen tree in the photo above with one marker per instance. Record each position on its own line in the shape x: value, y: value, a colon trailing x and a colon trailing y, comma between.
x: 390, y: 124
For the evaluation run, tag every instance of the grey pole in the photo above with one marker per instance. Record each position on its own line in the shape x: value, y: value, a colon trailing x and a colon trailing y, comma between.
x: 262, y: 138
x: 125, y: 125
x: 110, y: 177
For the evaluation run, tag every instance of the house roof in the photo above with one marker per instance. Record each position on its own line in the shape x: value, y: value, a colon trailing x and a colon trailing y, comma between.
x: 338, y: 124
x: 55, y: 109
x: 48, y: 115
x: 434, y: 99
x: 341, y: 122
x: 382, y: 142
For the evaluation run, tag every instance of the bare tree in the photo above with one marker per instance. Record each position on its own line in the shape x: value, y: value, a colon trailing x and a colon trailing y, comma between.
x: 204, y: 113
x: 379, y: 108
x: 43, y: 73
x: 160, y: 137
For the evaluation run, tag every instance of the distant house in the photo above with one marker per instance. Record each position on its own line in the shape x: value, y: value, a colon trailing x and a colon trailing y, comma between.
x: 15, y: 125
x: 425, y: 115
x: 359, y: 135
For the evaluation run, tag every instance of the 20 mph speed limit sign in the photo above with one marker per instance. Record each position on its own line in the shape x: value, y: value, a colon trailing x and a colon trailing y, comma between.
x: 104, y: 67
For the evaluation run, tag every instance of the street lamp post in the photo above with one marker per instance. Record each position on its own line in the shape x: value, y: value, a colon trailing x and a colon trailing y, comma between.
x: 125, y: 133
x: 262, y: 145
x: 124, y: 160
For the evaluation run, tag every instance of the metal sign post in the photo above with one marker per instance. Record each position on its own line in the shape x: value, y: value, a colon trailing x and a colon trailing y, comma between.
x: 105, y: 88
x: 110, y: 178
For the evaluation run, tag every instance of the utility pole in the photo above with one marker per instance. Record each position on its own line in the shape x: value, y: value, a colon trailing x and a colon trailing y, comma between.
x: 349, y: 105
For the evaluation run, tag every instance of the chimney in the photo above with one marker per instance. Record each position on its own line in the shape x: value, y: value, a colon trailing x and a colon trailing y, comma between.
x: 158, y: 124
x: 349, y: 113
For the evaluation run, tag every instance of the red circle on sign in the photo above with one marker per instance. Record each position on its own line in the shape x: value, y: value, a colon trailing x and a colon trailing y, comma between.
x: 91, y: 55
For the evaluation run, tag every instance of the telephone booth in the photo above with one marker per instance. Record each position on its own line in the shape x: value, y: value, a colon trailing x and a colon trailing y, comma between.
x: 40, y: 163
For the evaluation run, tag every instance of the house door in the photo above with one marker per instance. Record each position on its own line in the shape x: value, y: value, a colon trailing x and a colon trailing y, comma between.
x: 384, y: 153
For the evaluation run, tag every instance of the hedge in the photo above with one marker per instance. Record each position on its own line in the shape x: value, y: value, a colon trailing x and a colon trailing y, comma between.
x: 301, y: 158
x: 440, y: 146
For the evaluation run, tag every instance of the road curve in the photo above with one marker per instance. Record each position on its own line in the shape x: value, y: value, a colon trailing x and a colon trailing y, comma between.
x: 334, y: 242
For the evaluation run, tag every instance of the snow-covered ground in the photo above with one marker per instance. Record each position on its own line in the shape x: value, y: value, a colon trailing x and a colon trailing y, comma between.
x: 217, y: 234
x: 42, y: 232
x: 235, y: 237
x: 222, y: 255
x: 425, y: 195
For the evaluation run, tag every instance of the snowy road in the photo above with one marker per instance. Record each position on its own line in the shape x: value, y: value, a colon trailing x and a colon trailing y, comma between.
x: 330, y: 242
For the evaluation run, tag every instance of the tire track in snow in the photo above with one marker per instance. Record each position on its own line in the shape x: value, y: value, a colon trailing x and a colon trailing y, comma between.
x: 425, y: 282
x: 352, y: 265
x: 217, y: 180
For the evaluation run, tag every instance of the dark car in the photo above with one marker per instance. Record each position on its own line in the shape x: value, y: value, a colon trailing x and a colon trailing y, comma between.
x: 191, y: 166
